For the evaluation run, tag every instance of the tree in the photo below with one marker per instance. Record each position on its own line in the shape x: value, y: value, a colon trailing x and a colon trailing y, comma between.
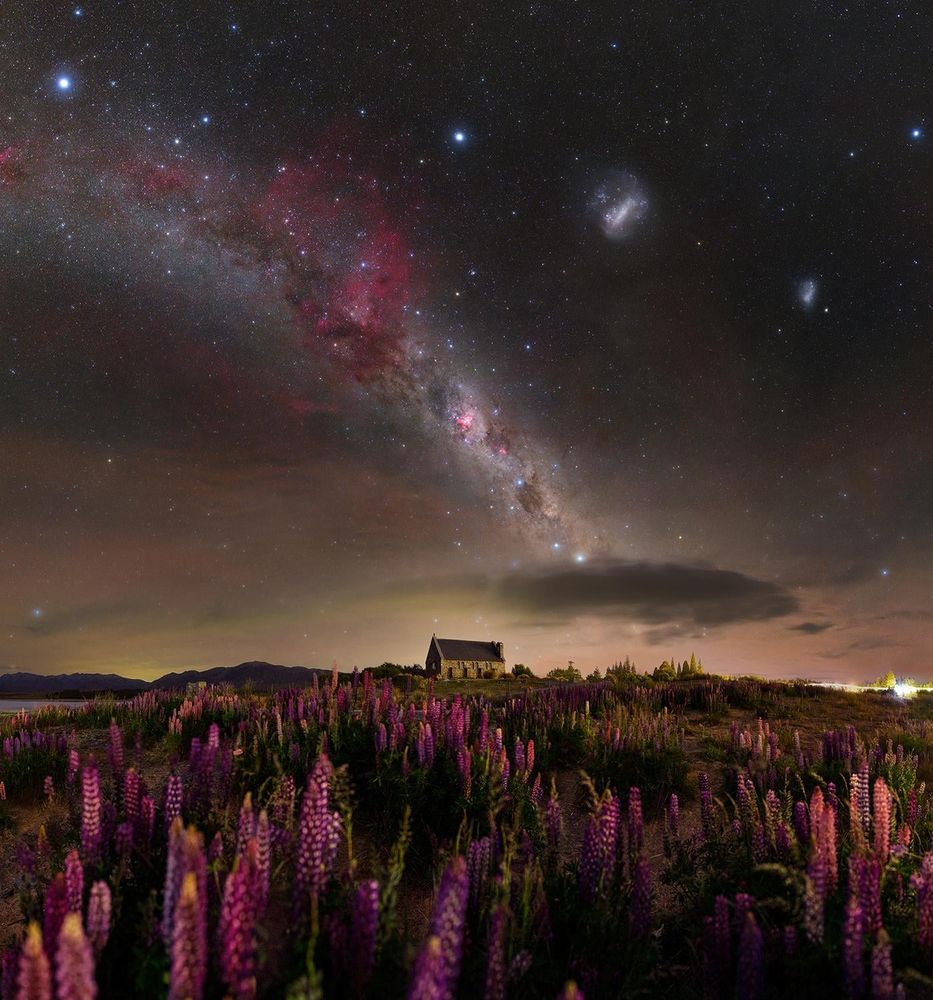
x: 569, y: 674
x: 887, y: 680
x: 595, y: 677
x: 665, y: 672
x: 520, y: 670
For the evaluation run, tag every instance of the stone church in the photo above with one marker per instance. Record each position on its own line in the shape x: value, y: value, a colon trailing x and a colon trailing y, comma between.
x: 450, y: 659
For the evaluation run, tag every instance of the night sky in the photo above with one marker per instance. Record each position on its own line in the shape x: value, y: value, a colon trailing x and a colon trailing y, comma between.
x: 594, y: 331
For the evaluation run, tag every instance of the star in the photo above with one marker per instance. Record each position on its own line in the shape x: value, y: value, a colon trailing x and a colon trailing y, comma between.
x: 460, y: 137
x: 916, y: 133
x: 64, y: 83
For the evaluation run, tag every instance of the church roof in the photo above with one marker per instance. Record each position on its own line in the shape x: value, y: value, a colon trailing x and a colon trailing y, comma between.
x: 468, y: 649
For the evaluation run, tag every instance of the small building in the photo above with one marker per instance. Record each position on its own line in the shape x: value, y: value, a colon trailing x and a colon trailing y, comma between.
x: 452, y: 659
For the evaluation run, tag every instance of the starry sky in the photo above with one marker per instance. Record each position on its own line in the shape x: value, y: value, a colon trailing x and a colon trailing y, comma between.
x: 599, y: 332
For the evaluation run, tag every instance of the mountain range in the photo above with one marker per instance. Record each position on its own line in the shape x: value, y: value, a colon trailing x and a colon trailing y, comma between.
x: 256, y: 673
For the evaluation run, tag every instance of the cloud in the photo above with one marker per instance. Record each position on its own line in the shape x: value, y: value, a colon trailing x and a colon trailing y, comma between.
x: 866, y: 644
x: 652, y: 593
x: 810, y: 628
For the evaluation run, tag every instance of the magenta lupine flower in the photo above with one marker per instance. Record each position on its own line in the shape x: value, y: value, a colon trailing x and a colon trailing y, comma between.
x: 437, y: 968
x: 132, y: 795
x: 922, y: 881
x: 115, y: 749
x: 495, y: 955
x: 123, y: 839
x: 147, y: 818
x: 641, y: 896
x: 865, y: 879
x: 882, y: 969
x: 173, y: 799
x: 364, y: 922
x: 53, y: 913
x: 235, y: 929
x: 98, y: 916
x: 882, y: 799
x: 74, y: 763
x: 74, y: 972
x: 318, y: 836
x: 91, y: 840
x: 750, y: 973
x: 853, y: 942
x: 34, y: 980
x: 189, y: 944
x: 74, y: 882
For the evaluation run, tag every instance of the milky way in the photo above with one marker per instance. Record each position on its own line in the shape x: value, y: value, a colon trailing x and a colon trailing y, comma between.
x: 310, y: 252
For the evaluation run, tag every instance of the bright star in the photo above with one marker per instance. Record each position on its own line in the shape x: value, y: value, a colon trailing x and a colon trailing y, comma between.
x: 37, y: 612
x: 64, y: 83
x: 579, y: 557
x: 885, y: 571
x: 916, y: 133
x: 459, y: 136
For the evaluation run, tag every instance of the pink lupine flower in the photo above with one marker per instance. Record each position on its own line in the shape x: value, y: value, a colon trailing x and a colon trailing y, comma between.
x: 74, y: 763
x: 882, y: 820
x: 34, y: 980
x: 189, y: 944
x: 91, y: 838
x: 922, y: 881
x: 74, y: 973
x: 98, y: 916
x: 74, y: 882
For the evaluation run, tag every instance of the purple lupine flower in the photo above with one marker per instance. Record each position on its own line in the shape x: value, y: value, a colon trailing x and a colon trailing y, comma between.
x: 246, y: 826
x: 882, y: 969
x: 74, y: 882
x: 750, y: 973
x: 853, y: 942
x: 185, y: 855
x: 636, y: 823
x: 34, y: 979
x: 801, y: 823
x: 865, y: 878
x: 9, y: 965
x: 438, y: 965
x: 673, y: 815
x: 147, y: 819
x: 318, y: 836
x: 479, y: 859
x: 98, y: 916
x: 74, y: 972
x: 495, y: 955
x: 91, y: 831
x: 641, y: 896
x: 364, y: 922
x: 922, y: 881
x: 189, y: 944
x: 215, y: 853
x: 173, y: 799
x: 600, y: 839
x: 53, y: 914
x: 115, y: 749
x: 237, y: 946
x: 814, y: 899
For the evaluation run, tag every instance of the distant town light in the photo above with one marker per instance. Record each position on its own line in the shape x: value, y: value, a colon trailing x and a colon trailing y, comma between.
x: 903, y: 690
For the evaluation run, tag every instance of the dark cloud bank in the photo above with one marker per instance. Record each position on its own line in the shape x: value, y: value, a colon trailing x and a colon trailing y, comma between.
x: 652, y: 593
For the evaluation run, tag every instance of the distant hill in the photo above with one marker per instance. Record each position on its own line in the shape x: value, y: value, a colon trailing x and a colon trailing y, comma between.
x: 24, y: 683
x: 256, y: 673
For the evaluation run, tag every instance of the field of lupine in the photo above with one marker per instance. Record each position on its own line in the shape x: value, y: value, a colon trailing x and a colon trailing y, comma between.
x: 354, y: 839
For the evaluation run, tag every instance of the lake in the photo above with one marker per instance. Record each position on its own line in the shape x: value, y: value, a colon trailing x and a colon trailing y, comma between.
x: 8, y: 706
